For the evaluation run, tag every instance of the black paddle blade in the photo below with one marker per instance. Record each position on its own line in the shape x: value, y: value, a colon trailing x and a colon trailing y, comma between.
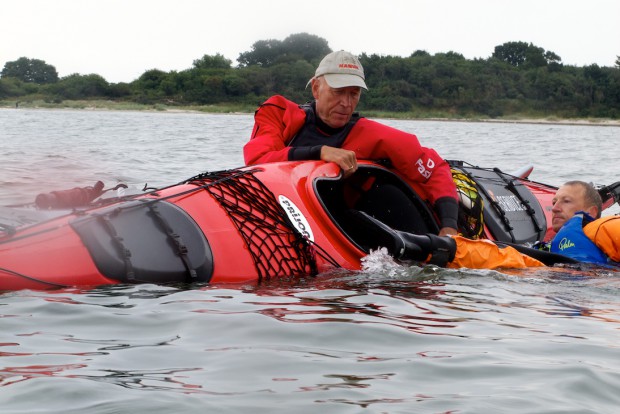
x: 611, y: 191
x: 548, y: 258
x: 377, y: 234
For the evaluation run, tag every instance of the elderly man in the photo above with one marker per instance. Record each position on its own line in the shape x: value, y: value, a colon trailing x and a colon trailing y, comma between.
x: 328, y: 129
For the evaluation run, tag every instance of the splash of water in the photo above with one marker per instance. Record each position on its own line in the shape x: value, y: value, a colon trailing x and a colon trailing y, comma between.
x: 379, y: 261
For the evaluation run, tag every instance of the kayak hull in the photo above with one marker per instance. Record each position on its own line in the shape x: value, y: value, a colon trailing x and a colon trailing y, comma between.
x: 275, y: 220
x: 212, y: 229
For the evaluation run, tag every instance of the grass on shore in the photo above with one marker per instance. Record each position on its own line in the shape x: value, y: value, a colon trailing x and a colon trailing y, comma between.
x: 123, y: 106
x: 249, y: 109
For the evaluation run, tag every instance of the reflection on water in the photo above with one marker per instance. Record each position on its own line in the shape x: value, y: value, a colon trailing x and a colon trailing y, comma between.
x: 13, y: 375
x: 348, y: 338
x: 390, y: 338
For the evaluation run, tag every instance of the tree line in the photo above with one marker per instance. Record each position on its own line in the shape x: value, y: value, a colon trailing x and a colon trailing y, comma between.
x: 519, y: 78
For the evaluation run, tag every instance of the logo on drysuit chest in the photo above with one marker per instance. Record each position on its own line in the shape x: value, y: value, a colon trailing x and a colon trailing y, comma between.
x: 425, y: 170
x: 565, y: 244
x: 296, y: 217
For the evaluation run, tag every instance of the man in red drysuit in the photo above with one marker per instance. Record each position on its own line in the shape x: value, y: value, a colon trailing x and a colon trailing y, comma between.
x: 328, y: 129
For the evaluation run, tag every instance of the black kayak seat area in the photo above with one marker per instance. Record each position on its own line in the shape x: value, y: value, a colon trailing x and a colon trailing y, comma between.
x: 146, y: 241
x: 387, y: 199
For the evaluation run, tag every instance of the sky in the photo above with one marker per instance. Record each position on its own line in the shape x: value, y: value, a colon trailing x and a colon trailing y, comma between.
x: 121, y: 39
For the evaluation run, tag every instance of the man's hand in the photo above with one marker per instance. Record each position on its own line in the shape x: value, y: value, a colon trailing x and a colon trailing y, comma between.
x: 447, y: 231
x: 344, y: 158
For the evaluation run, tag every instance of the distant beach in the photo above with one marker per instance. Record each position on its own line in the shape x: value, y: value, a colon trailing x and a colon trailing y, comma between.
x: 103, y: 105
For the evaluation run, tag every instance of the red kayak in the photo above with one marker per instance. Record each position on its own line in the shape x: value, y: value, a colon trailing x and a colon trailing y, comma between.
x: 247, y: 224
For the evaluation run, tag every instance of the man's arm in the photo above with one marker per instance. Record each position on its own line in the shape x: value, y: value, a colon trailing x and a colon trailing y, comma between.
x: 275, y: 123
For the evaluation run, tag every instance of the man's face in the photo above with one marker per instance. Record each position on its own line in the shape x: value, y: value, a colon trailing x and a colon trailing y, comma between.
x: 335, y: 106
x: 568, y: 200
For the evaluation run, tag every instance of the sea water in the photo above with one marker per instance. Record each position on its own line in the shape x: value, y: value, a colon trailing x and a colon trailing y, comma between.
x: 388, y: 339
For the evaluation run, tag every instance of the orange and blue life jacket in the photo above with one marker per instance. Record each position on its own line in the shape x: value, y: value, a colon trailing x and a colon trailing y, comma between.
x: 571, y: 241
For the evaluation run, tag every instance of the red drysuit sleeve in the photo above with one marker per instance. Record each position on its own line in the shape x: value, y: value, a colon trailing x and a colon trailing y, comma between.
x: 275, y: 123
x: 422, y: 167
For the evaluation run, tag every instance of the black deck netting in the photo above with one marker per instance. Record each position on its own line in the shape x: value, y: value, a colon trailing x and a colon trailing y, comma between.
x: 277, y: 248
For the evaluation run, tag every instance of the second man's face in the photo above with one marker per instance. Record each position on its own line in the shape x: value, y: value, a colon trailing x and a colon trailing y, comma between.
x: 568, y: 200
